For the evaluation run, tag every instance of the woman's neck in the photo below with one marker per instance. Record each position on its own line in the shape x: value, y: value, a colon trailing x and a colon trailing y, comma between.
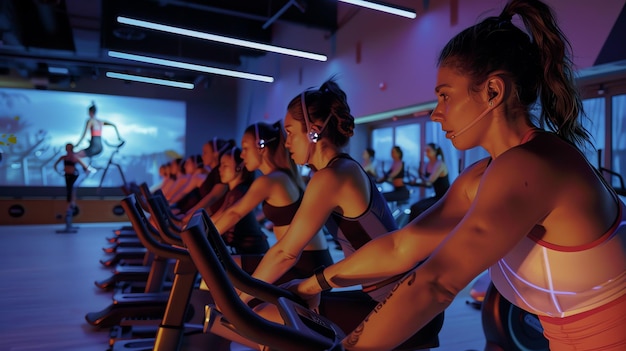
x: 322, y: 159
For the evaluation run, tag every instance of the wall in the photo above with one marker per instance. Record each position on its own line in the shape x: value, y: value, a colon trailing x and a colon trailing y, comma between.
x: 398, y: 52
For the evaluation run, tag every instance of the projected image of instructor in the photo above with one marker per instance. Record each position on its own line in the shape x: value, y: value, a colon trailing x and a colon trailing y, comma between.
x: 94, y: 126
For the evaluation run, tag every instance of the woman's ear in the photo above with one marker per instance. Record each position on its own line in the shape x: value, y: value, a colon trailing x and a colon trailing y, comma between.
x: 495, y: 90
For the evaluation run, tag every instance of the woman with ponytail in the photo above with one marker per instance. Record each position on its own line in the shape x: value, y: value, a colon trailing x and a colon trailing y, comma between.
x: 340, y: 196
x: 535, y: 213
x: 279, y: 191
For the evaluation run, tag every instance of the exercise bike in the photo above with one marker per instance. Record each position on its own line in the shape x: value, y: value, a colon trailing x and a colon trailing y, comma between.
x: 110, y: 163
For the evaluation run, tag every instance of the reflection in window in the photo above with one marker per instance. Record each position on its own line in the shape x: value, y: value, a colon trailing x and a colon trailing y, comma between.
x: 595, y: 125
x: 382, y: 142
x: 618, y: 162
x: 408, y: 139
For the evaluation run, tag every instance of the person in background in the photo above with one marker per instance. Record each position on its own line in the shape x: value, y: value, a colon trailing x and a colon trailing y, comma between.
x: 245, y: 235
x: 369, y: 163
x: 70, y: 172
x: 94, y: 126
x: 179, y: 177
x: 194, y: 175
x: 543, y: 221
x: 435, y: 175
x: 210, y: 194
x: 395, y: 175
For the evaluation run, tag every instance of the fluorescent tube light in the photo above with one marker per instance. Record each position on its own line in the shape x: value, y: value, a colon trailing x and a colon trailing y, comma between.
x: 384, y: 8
x: 221, y: 39
x: 58, y: 70
x: 397, y: 112
x: 141, y: 79
x: 191, y: 66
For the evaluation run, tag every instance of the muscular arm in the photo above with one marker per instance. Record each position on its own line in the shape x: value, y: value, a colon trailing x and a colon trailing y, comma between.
x: 398, y: 251
x: 509, y: 202
x: 319, y: 199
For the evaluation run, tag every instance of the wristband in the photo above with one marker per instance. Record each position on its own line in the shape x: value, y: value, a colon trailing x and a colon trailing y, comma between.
x: 321, y: 280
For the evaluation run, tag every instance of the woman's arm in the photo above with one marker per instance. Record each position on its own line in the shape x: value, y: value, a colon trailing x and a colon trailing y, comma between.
x: 82, y: 163
x: 107, y: 123
x: 438, y: 170
x: 399, y: 251
x: 319, y: 200
x: 396, y: 168
x: 57, y: 163
x: 258, y: 191
x: 209, y: 199
x: 509, y: 203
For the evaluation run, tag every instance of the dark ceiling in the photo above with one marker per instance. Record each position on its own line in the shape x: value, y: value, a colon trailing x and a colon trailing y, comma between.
x: 77, y: 34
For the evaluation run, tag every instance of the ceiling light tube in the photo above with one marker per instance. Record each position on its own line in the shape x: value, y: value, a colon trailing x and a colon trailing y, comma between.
x: 58, y: 70
x: 221, y: 39
x: 427, y: 106
x: 142, y: 79
x: 191, y: 66
x: 394, y: 10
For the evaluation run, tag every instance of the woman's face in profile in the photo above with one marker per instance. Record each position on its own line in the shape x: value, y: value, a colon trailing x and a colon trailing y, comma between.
x: 249, y: 153
x: 297, y: 141
x: 430, y: 153
x: 227, y: 168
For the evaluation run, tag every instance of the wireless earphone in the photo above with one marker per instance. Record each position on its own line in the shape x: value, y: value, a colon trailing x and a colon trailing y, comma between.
x: 260, y: 143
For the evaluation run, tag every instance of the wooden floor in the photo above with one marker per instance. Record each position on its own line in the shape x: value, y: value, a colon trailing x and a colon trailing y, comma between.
x: 48, y: 286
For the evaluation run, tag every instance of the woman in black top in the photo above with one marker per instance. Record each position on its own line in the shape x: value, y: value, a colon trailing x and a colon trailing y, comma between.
x: 246, y: 236
x: 395, y: 175
x: 70, y: 159
x: 435, y: 174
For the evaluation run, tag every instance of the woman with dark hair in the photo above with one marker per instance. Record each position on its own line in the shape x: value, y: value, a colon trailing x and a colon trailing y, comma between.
x: 549, y: 228
x: 245, y: 236
x: 340, y: 196
x: 395, y: 175
x: 193, y: 176
x: 435, y: 175
x: 369, y: 163
x: 94, y: 126
x: 70, y: 172
x: 279, y: 190
x: 210, y: 194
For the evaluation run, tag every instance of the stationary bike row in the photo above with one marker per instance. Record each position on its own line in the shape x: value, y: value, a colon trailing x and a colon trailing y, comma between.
x: 224, y: 329
x: 506, y: 327
x: 172, y: 332
x: 138, y: 304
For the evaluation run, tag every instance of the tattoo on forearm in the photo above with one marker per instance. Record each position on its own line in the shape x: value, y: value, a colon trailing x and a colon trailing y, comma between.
x: 353, y: 338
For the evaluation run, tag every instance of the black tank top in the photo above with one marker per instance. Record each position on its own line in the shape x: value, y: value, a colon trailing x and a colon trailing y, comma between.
x: 440, y: 185
x: 283, y: 215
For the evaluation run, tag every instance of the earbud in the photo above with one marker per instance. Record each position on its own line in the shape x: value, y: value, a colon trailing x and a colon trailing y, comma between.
x: 314, y: 135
